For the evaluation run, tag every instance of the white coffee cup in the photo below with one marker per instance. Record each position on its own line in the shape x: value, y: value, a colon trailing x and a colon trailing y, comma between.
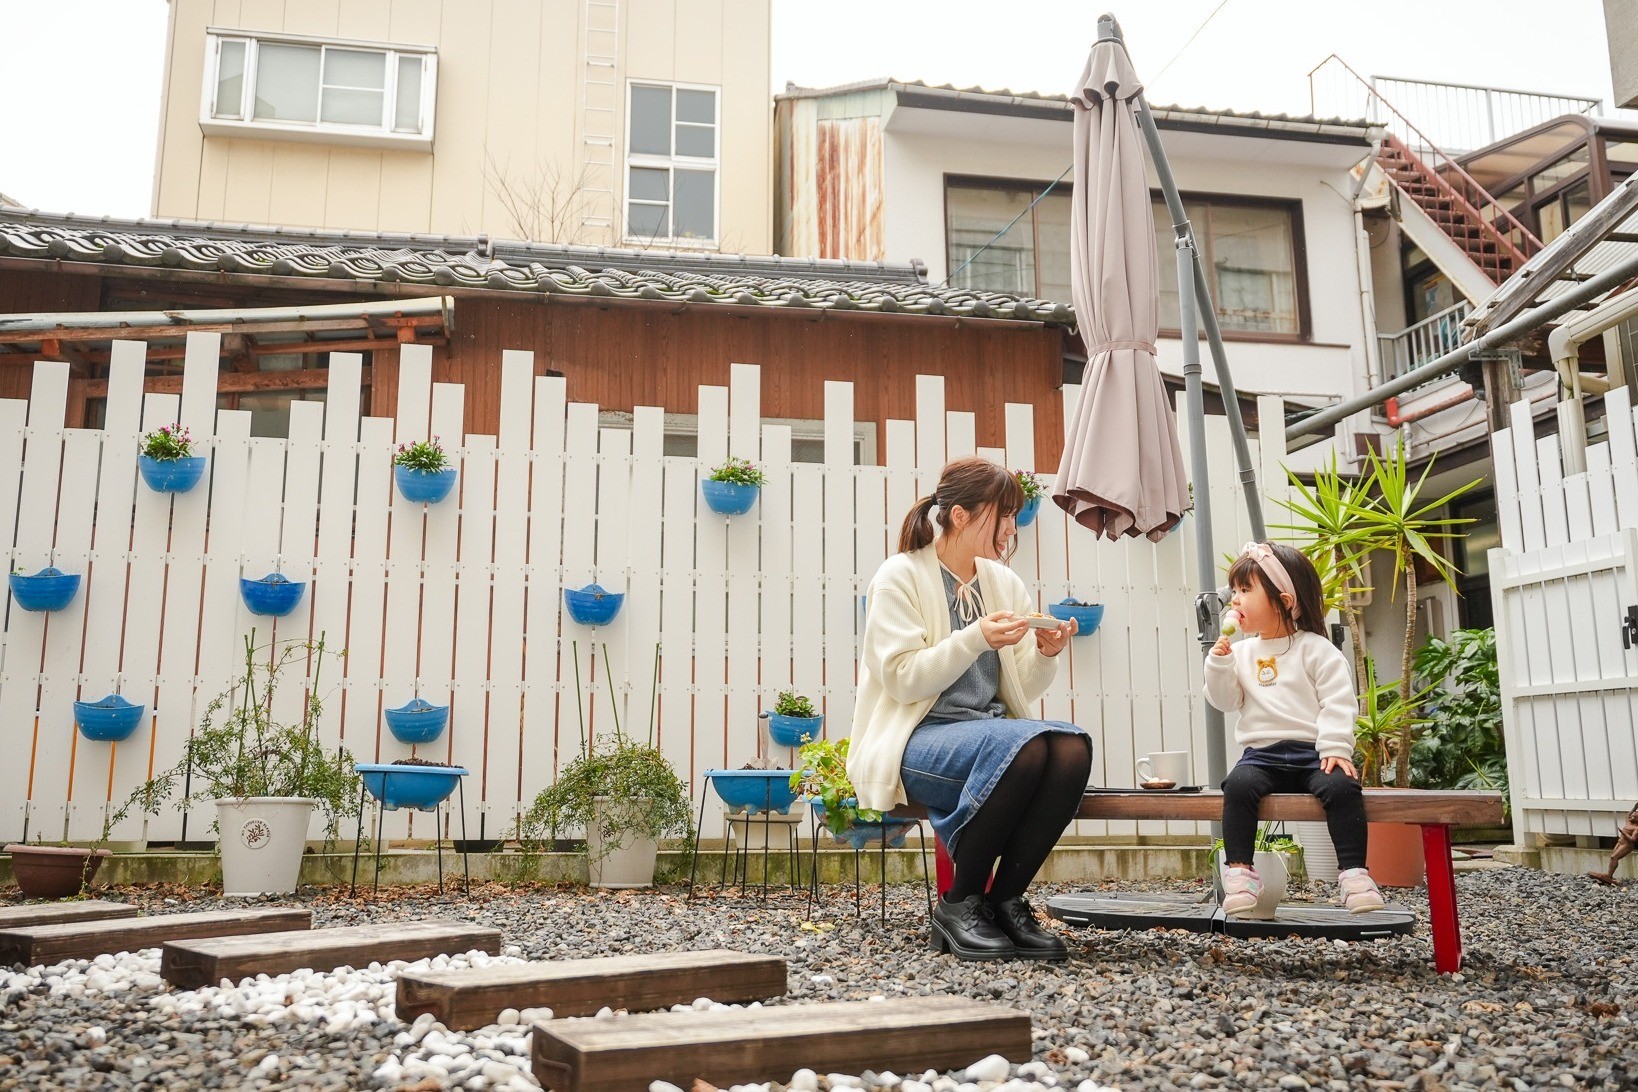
x: 1170, y: 766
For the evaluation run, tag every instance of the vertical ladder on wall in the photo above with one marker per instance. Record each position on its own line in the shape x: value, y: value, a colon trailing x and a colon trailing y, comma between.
x: 600, y: 117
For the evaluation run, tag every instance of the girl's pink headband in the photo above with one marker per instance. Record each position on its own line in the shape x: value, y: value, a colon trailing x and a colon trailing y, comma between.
x: 1263, y: 555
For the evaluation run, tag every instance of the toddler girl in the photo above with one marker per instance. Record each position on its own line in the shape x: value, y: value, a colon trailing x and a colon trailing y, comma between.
x: 1297, y: 711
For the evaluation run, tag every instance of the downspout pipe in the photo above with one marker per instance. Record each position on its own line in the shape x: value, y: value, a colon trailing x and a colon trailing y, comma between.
x: 1537, y: 316
x: 1564, y: 343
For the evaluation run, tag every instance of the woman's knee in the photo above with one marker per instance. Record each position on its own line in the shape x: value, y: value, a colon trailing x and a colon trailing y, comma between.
x: 1031, y: 758
x: 1071, y: 752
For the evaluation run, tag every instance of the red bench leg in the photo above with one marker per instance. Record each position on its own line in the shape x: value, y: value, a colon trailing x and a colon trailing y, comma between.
x: 1447, y: 931
x: 943, y: 866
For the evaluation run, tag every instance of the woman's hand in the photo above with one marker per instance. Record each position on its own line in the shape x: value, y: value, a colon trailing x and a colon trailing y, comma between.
x: 1003, y: 628
x: 1222, y: 647
x: 1050, y: 642
x: 1329, y: 764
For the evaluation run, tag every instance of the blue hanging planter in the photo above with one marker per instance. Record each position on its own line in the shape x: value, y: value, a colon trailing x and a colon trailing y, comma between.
x: 1086, y: 615
x: 401, y: 785
x: 171, y: 475
x: 1026, y: 514
x: 793, y: 731
x: 108, y: 721
x: 593, y: 605
x: 418, y: 721
x: 424, y: 486
x: 49, y: 589
x: 274, y: 594
x: 729, y: 498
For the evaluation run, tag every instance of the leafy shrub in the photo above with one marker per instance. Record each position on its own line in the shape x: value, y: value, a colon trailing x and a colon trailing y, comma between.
x: 421, y: 455
x: 740, y: 472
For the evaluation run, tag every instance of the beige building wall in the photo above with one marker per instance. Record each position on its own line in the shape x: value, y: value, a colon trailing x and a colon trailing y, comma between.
x: 526, y: 114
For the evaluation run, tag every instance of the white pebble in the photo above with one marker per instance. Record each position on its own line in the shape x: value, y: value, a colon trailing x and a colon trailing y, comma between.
x: 268, y: 1064
x: 1033, y: 1071
x: 993, y: 1068
x: 915, y: 1086
x: 804, y: 1080
x: 843, y: 1080
x: 1076, y: 1055
x: 663, y: 1086
x: 822, y: 980
x: 510, y: 1016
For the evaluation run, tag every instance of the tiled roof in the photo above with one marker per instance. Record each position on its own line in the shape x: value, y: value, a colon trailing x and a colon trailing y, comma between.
x: 477, y: 262
x: 1163, y: 114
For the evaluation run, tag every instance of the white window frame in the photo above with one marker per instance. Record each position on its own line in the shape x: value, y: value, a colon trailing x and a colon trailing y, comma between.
x: 323, y: 132
x: 802, y: 428
x: 670, y: 163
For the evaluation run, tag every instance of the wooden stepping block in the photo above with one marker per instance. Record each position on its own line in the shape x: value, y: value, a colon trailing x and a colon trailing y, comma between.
x: 190, y: 964
x: 473, y: 997
x: 55, y: 913
x: 906, y: 1035
x: 35, y: 945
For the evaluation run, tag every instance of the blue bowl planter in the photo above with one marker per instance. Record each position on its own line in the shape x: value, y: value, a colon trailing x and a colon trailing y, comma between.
x: 49, y: 589
x: 793, y: 731
x: 593, y: 605
x: 1026, y: 514
x: 274, y: 594
x: 754, y: 790
x: 424, y: 486
x: 418, y: 721
x: 1087, y: 615
x: 729, y: 498
x: 108, y: 721
x: 864, y: 834
x: 171, y: 475
x: 421, y: 788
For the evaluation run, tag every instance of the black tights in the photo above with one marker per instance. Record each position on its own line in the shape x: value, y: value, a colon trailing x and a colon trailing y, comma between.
x: 1020, y: 822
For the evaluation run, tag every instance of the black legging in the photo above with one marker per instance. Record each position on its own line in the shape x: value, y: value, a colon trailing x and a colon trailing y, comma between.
x: 1020, y: 822
x: 1248, y: 783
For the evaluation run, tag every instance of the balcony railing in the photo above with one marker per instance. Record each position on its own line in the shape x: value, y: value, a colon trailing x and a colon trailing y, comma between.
x: 1427, y: 340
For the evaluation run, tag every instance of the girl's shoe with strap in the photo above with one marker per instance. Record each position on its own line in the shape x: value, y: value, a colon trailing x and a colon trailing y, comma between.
x: 1358, y: 892
x: 1241, y: 889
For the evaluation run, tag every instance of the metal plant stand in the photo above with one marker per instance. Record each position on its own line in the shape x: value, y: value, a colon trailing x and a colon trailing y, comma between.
x: 438, y: 841
x: 881, y: 849
x: 742, y: 853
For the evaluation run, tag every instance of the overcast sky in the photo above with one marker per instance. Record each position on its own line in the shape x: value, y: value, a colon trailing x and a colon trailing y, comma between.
x: 79, y: 88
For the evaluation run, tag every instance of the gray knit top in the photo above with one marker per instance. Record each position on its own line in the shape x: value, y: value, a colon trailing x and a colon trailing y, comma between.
x: 973, y: 695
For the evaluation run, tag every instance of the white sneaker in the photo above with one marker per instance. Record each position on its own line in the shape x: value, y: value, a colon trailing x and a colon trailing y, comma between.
x: 1241, y: 889
x: 1357, y: 892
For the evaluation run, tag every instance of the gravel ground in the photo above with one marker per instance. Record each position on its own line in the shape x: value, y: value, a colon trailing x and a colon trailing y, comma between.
x: 1546, y: 1000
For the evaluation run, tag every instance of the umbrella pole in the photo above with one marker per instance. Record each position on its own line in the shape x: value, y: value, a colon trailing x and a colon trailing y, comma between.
x: 1208, y: 603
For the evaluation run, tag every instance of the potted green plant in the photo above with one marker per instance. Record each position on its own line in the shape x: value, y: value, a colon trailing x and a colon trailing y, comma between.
x: 792, y: 721
x: 732, y: 488
x: 1460, y: 745
x: 821, y: 776
x: 1033, y: 492
x: 421, y: 471
x: 1277, y: 858
x: 623, y: 794
x: 167, y: 462
x: 265, y: 776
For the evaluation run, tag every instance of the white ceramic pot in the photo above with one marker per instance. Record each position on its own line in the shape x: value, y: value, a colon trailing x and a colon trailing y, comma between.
x: 1319, y: 855
x: 1271, y: 868
x: 630, y: 862
x: 262, y: 840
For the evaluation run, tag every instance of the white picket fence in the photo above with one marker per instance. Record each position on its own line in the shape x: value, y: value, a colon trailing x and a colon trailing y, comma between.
x: 1564, y: 584
x: 460, y: 602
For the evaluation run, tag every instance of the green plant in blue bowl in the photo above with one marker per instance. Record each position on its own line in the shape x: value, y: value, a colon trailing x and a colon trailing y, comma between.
x: 733, y: 487
x: 792, y: 721
x: 1033, y: 492
x: 167, y: 462
x: 421, y: 471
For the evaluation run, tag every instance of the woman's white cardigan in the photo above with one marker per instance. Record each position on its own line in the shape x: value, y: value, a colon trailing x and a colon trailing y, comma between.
x: 910, y: 657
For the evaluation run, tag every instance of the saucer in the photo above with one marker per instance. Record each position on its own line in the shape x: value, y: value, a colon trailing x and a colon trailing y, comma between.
x: 1159, y: 785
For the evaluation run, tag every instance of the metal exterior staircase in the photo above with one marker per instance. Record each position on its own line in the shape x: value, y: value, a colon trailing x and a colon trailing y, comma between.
x: 1470, y: 225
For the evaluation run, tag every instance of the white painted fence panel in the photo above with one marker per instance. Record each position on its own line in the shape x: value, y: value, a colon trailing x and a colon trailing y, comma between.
x: 1564, y: 586
x: 461, y: 602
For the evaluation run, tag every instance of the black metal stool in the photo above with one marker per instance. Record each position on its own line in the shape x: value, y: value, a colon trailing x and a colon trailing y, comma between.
x: 742, y: 853
x: 881, y: 846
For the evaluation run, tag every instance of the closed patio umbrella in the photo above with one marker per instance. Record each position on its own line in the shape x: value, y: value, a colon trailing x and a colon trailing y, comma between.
x: 1122, y: 471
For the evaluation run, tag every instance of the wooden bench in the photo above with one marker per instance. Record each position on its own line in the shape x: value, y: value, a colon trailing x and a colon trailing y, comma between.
x: 190, y: 964
x: 906, y: 1034
x: 58, y: 913
x: 1434, y: 810
x: 473, y: 997
x: 43, y: 944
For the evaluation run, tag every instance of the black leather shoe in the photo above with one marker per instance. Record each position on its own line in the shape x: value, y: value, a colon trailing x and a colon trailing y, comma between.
x: 1016, y: 919
x: 964, y: 929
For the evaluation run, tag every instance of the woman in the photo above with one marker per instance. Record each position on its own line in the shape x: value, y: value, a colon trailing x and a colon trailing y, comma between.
x: 949, y: 674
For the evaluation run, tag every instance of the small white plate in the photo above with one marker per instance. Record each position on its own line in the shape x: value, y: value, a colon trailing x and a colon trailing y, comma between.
x: 1044, y: 621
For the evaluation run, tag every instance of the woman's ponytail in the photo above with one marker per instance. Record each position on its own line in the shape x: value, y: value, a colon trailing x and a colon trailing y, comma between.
x: 918, y: 525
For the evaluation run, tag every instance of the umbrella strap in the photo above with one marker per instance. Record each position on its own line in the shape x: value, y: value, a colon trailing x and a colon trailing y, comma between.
x: 1140, y: 346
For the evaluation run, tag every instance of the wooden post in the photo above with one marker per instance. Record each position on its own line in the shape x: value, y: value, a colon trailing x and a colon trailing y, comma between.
x: 1501, y: 381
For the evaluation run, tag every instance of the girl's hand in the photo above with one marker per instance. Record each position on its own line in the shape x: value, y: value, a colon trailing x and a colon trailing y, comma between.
x: 1003, y: 628
x: 1329, y: 764
x: 1222, y: 647
x: 1050, y: 642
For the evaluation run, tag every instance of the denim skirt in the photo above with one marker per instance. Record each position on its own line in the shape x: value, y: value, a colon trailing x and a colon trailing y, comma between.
x: 952, y: 767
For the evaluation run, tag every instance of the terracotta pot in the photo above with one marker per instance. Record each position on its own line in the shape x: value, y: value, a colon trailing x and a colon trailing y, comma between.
x: 1394, y: 854
x: 53, y: 872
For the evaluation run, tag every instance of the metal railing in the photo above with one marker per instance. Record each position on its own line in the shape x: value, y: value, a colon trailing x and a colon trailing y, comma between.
x: 1421, y: 342
x: 1458, y: 117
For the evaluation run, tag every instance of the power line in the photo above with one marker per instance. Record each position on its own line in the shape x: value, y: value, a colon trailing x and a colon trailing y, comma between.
x: 1187, y: 44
